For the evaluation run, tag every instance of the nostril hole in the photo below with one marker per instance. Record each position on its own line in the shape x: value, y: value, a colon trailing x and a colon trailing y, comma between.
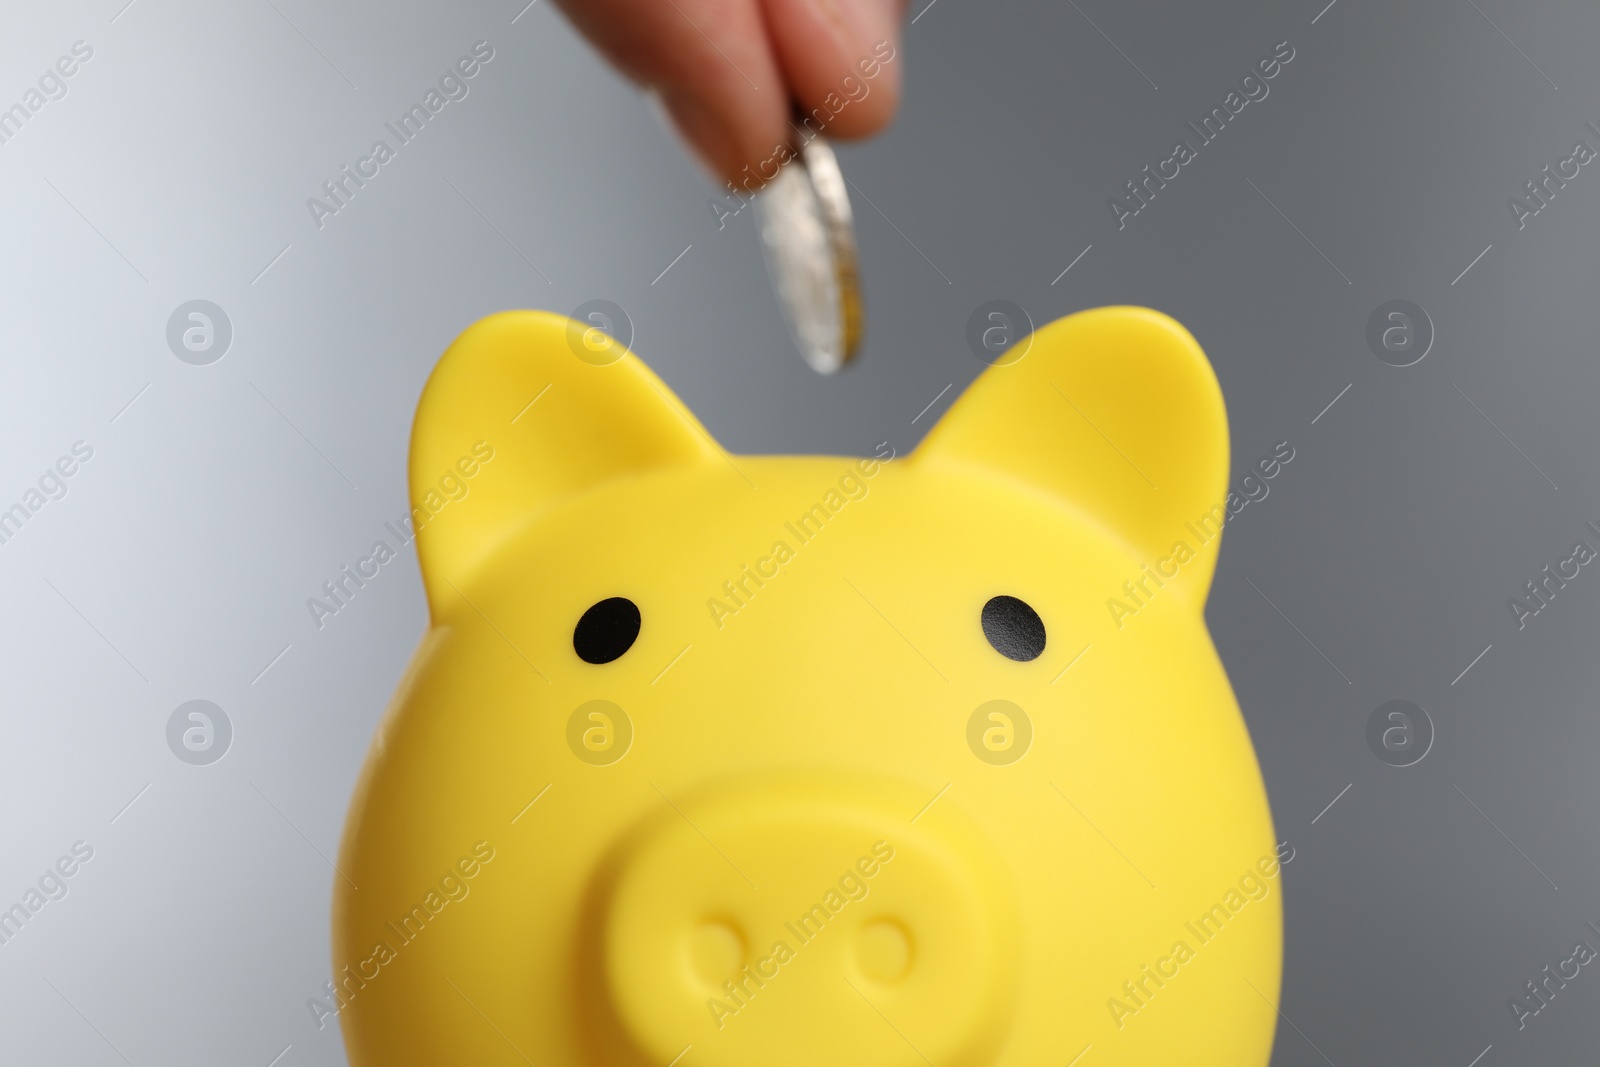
x: 883, y: 951
x: 1013, y: 628
x: 716, y: 951
x: 606, y: 630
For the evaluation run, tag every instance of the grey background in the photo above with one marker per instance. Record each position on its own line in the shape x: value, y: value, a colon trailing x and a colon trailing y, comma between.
x: 178, y: 565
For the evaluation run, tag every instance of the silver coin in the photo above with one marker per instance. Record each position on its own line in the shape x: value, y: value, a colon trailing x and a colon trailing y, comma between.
x: 809, y: 239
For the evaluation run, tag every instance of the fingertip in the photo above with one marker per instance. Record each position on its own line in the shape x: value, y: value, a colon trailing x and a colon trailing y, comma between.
x: 842, y: 61
x: 732, y: 146
x: 705, y: 131
x: 710, y: 65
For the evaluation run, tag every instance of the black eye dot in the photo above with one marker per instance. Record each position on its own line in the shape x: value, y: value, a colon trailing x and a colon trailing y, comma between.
x: 1013, y: 628
x: 606, y: 630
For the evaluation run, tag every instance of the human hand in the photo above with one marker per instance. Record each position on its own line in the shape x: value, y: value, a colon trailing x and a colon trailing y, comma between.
x: 732, y: 73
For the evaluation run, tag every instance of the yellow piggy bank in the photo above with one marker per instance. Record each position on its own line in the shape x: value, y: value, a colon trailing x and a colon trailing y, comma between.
x: 711, y: 760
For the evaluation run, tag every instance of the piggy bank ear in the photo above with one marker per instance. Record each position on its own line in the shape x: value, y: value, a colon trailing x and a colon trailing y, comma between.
x: 1115, y: 411
x: 513, y: 402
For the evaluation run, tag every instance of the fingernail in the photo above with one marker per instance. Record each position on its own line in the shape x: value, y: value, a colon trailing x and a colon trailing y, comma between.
x: 705, y: 131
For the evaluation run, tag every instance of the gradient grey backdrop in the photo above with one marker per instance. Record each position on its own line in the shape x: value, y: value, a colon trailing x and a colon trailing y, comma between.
x: 178, y: 565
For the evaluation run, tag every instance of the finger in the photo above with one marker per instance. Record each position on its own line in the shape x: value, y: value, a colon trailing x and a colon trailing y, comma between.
x: 712, y: 64
x: 841, y: 60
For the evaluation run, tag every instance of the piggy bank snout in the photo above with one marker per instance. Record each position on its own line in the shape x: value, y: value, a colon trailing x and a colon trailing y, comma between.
x: 737, y: 918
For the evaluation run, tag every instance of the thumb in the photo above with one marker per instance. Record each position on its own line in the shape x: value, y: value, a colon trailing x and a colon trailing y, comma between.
x: 710, y: 61
x: 840, y: 60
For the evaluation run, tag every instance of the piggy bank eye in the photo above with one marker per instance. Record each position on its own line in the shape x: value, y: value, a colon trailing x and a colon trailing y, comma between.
x: 1013, y: 628
x: 607, y: 630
